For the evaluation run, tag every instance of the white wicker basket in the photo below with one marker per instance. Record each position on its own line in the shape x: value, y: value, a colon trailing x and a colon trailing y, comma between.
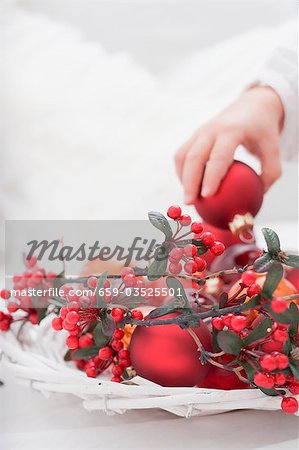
x: 37, y: 360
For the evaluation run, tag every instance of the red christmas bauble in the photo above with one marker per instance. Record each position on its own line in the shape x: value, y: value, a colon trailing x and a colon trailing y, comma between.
x: 240, y: 193
x: 293, y: 277
x: 218, y: 378
x: 168, y: 355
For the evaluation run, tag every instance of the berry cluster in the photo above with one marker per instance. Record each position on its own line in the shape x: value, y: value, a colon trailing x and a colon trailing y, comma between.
x: 97, y: 323
x: 80, y: 315
x: 186, y: 258
x: 33, y: 277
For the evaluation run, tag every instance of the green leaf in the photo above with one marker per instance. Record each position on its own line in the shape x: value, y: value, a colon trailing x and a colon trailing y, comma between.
x: 292, y: 261
x: 287, y: 347
x: 229, y: 342
x: 67, y: 356
x: 272, y: 392
x: 99, y: 337
x: 260, y: 331
x: 294, y: 366
x: 158, y: 267
x: 41, y: 313
x: 159, y: 221
x: 263, y: 263
x: 293, y: 330
x: 272, y: 240
x: 273, y: 278
x: 108, y: 325
x: 252, y: 303
x: 86, y: 352
x: 249, y: 370
x: 100, y: 301
x: 179, y: 292
x: 216, y: 347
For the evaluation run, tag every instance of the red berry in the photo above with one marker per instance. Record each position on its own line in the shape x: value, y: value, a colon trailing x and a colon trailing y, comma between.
x: 264, y: 380
x: 238, y: 323
x: 289, y: 405
x: 268, y: 362
x: 278, y: 305
x: 117, y: 345
x: 227, y: 319
x: 201, y: 263
x: 5, y: 323
x: 5, y: 294
x: 12, y: 307
x: 175, y: 254
x: 68, y: 326
x: 116, y: 379
x: 190, y: 267
x: 86, y: 340
x: 124, y: 362
x: 254, y: 289
x: 280, y: 335
x: 91, y: 371
x: 33, y: 318
x: 217, y: 248
x: 282, y: 360
x: 124, y: 353
x: 136, y: 314
x: 130, y: 280
x: 175, y: 268
x: 73, y: 306
x: 197, y: 227
x: 174, y: 212
x: 117, y: 370
x: 217, y: 323
x: 208, y: 239
x: 294, y: 387
x: 118, y: 333
x: 185, y: 220
x: 72, y: 342
x: 117, y: 314
x: 63, y: 312
x: 280, y: 379
x: 92, y: 282
x: 190, y: 250
x: 57, y: 323
x: 75, y: 331
x: 127, y: 271
x: 105, y: 353
x: 72, y: 317
x: 248, y: 278
x: 30, y: 262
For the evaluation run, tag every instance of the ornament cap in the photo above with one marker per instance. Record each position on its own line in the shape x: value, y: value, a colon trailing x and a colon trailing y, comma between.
x: 242, y: 226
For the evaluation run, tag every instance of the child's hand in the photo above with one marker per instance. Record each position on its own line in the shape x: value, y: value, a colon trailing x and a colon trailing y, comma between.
x: 254, y: 121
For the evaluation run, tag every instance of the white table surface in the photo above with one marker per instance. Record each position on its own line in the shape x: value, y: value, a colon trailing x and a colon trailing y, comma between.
x: 30, y: 421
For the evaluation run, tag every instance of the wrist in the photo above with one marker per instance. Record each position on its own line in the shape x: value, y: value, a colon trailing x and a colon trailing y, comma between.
x: 271, y: 101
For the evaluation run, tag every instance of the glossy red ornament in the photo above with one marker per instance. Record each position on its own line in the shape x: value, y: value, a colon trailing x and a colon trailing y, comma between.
x: 219, y: 378
x: 240, y: 193
x: 293, y: 277
x: 168, y: 355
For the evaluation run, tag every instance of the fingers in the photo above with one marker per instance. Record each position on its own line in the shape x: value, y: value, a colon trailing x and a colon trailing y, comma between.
x: 271, y: 165
x: 193, y: 166
x: 220, y: 159
x: 181, y: 154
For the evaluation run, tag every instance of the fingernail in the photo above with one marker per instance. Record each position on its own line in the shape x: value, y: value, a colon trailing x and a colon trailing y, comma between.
x: 206, y: 191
